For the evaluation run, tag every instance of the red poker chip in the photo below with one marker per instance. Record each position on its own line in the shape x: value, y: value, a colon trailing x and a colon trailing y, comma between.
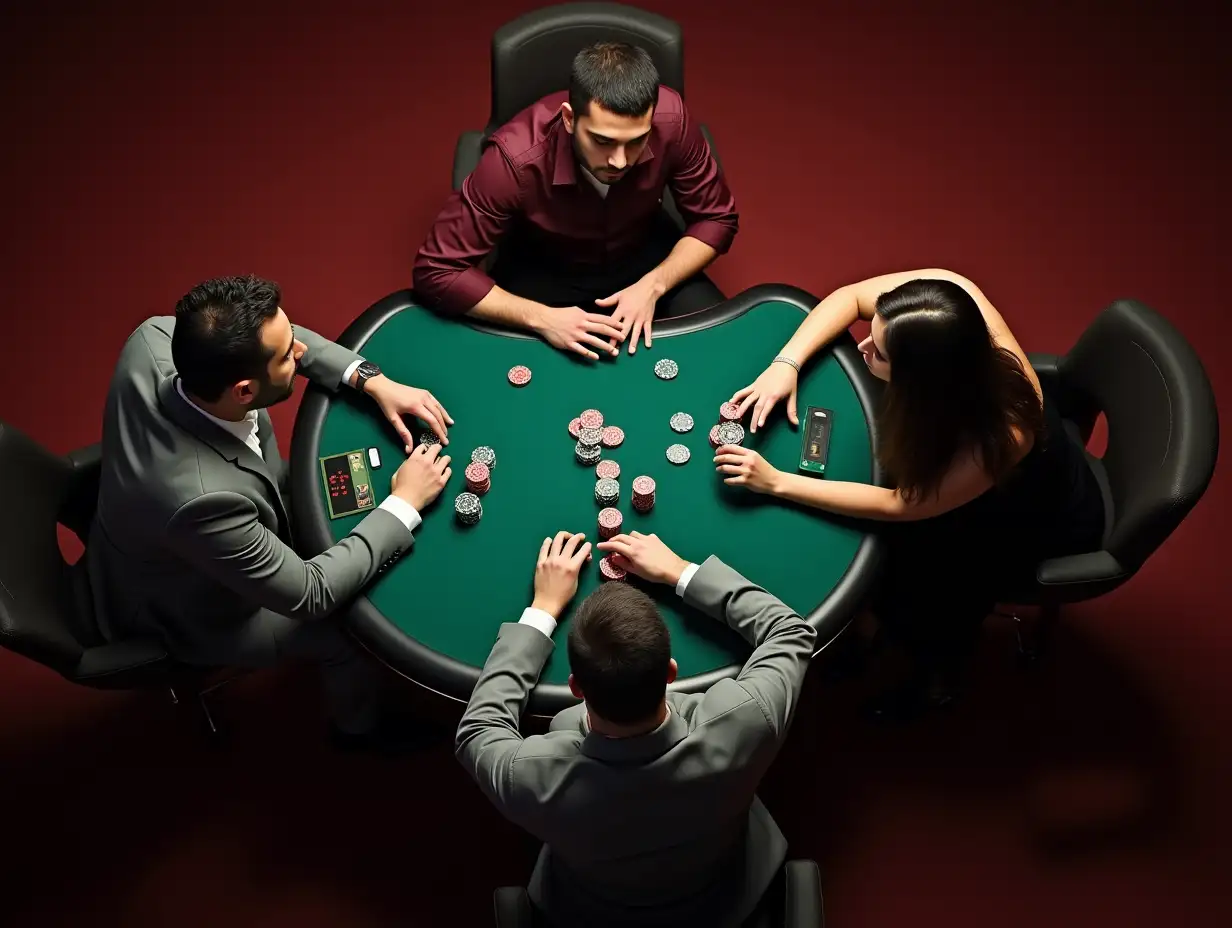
x: 591, y: 419
x: 610, y: 517
x: 643, y: 486
x: 575, y: 427
x: 715, y: 440
x: 609, y: 569
x: 519, y: 376
x: 477, y: 472
x: 729, y: 412
x: 607, y: 470
x: 613, y: 436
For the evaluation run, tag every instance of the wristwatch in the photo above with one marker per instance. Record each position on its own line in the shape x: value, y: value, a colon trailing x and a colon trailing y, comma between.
x: 365, y: 372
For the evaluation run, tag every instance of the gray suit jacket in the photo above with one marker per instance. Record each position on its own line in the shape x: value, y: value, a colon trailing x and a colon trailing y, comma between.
x: 192, y: 536
x: 664, y: 828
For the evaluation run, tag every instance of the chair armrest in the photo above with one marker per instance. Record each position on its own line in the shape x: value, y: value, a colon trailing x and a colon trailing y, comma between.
x: 81, y: 498
x: 466, y: 156
x: 122, y: 664
x: 1095, y: 567
x: 512, y: 908
x: 803, y: 907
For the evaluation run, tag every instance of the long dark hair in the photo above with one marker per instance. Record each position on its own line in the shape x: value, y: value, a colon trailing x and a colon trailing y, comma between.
x: 952, y: 388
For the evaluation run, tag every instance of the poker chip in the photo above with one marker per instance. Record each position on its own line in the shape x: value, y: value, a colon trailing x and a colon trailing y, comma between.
x: 575, y: 427
x: 467, y: 508
x: 592, y: 437
x: 678, y: 454
x: 485, y: 456
x: 731, y: 433
x: 666, y: 369
x: 591, y: 419
x: 587, y: 454
x: 681, y: 422
x: 643, y: 493
x: 729, y: 412
x: 613, y: 436
x: 610, y: 521
x: 429, y: 437
x: 607, y: 491
x: 519, y: 376
x: 607, y: 469
x: 609, y: 569
x: 715, y: 438
x: 478, y: 478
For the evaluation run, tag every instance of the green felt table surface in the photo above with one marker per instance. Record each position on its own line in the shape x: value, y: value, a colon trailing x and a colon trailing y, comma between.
x: 457, y: 584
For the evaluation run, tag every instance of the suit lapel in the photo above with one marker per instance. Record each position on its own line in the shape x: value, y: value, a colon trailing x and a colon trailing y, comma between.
x: 227, y: 445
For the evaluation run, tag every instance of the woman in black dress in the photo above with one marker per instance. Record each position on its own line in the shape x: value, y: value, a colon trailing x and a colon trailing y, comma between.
x: 987, y: 482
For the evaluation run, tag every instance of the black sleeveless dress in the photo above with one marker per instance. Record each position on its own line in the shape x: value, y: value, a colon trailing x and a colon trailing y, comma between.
x: 945, y: 574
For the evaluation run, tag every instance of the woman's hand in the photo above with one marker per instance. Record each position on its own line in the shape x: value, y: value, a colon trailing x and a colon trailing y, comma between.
x: 744, y: 467
x: 777, y: 381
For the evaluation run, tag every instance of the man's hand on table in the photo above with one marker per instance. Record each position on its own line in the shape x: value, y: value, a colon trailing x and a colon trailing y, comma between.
x: 397, y: 400
x: 776, y: 382
x: 421, y: 477
x: 646, y: 556
x: 634, y: 310
x: 556, y: 573
x: 572, y: 329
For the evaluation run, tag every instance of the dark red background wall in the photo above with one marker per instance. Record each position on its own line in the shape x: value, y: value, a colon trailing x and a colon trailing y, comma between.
x: 1062, y: 158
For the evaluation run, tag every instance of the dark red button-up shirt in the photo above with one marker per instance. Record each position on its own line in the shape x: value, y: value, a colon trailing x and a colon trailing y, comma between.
x: 528, y: 177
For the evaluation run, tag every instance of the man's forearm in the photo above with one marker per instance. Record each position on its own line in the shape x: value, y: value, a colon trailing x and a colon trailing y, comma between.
x: 506, y: 308
x: 689, y: 257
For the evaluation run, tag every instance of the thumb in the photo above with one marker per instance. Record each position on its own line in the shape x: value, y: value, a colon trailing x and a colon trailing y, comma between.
x: 403, y: 432
x: 608, y: 300
x: 791, y: 409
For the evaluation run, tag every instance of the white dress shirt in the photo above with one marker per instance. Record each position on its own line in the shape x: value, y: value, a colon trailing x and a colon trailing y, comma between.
x: 246, y: 431
x: 537, y: 618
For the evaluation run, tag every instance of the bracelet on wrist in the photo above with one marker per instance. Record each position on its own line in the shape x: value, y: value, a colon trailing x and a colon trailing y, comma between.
x: 783, y: 359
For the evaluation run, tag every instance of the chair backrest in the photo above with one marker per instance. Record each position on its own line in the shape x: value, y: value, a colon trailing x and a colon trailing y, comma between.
x: 1133, y: 365
x: 45, y: 610
x: 533, y: 54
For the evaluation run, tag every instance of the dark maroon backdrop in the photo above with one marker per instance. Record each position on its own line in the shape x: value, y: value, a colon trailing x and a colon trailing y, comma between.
x: 1061, y: 159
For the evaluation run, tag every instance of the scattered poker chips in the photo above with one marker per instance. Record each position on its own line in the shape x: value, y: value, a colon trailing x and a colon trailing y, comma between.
x: 519, y: 376
x: 478, y: 478
x: 467, y: 508
x: 485, y: 456
x: 429, y: 437
x: 681, y: 422
x: 607, y: 469
x: 731, y: 433
x: 715, y: 438
x: 609, y: 570
x: 575, y: 427
x: 729, y: 412
x: 666, y: 369
x: 610, y: 521
x: 591, y: 419
x: 643, y: 493
x: 587, y: 454
x: 678, y: 454
x: 613, y: 436
x: 607, y: 491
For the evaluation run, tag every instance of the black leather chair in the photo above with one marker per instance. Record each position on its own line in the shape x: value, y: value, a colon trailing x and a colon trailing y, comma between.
x: 1133, y: 366
x: 794, y: 901
x: 532, y: 56
x: 46, y: 608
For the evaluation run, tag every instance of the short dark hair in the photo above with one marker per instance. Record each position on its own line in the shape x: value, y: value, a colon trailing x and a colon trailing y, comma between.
x: 621, y: 78
x: 217, y: 338
x: 619, y: 652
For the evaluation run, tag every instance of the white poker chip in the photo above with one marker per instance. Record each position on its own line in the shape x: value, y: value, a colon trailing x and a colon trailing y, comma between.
x: 678, y: 454
x: 682, y: 422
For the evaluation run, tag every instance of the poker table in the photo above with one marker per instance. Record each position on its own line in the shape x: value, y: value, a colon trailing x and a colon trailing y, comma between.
x: 433, y: 615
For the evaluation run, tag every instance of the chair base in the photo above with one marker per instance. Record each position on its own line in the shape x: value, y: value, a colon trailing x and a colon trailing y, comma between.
x: 202, y: 701
x: 1035, y: 640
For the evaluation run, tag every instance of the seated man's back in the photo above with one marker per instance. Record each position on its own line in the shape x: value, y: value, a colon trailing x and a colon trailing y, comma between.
x: 650, y: 822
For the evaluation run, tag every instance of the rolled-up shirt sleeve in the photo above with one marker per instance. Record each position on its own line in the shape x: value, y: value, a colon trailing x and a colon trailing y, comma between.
x: 446, y: 275
x: 701, y: 193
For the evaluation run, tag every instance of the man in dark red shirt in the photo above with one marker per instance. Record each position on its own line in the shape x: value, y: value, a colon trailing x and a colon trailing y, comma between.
x: 572, y: 188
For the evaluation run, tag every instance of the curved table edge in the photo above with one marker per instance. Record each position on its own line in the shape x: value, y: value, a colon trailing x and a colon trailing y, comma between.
x: 446, y: 676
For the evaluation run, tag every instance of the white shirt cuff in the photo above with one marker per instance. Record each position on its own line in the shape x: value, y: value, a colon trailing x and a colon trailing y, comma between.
x: 685, y: 576
x: 537, y: 618
x: 407, y: 514
x: 350, y: 371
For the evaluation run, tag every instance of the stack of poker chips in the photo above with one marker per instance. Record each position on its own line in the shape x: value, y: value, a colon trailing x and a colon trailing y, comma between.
x: 467, y: 508
x: 729, y: 431
x: 607, y: 491
x: 609, y: 570
x: 485, y: 456
x: 589, y: 446
x: 478, y: 478
x: 429, y: 437
x: 610, y: 521
x: 643, y: 493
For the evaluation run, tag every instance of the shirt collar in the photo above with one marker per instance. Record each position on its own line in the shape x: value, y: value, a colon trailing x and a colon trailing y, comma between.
x: 243, y: 430
x: 640, y: 748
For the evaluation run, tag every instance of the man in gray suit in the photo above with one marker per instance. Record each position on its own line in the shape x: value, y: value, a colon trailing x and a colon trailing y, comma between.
x: 192, y: 543
x: 645, y: 800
